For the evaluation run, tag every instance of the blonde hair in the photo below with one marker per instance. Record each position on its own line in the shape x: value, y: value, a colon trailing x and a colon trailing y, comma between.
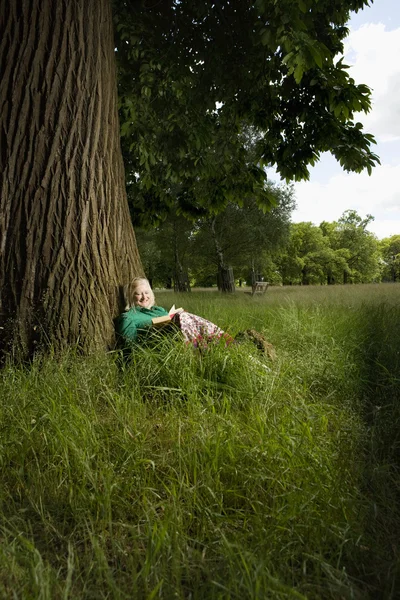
x: 129, y: 291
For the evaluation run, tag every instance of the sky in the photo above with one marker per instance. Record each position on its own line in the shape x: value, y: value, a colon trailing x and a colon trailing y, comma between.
x: 372, y: 49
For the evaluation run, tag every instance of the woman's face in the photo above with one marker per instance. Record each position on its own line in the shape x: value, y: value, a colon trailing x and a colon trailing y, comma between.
x: 142, y: 295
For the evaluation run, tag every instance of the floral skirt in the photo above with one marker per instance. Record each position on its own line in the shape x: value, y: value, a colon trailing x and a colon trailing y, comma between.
x: 199, y: 332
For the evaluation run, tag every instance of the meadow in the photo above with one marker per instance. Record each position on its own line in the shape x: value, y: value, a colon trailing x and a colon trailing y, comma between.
x: 174, y: 473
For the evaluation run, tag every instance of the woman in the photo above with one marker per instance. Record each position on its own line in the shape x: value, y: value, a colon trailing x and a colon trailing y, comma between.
x: 141, y: 309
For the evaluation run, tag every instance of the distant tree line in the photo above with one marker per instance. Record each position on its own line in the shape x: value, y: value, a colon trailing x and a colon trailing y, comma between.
x: 247, y: 244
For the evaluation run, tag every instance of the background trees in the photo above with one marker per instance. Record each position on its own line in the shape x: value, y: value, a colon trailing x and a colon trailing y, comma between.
x: 305, y: 255
x: 245, y: 235
x: 338, y: 252
x: 350, y: 239
x: 266, y: 245
x: 166, y: 252
x: 241, y: 238
x: 390, y: 254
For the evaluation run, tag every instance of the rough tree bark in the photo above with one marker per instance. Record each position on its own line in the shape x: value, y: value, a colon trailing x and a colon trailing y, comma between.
x: 66, y: 239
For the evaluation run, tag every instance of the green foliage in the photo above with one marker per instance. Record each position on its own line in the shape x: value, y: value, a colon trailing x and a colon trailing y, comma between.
x: 390, y: 252
x: 338, y: 252
x: 166, y: 250
x: 210, y: 476
x: 266, y: 244
x: 305, y: 256
x: 246, y: 236
x: 359, y: 248
x: 195, y: 77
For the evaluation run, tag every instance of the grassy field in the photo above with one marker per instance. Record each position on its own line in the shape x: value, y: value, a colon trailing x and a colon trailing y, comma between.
x: 179, y: 474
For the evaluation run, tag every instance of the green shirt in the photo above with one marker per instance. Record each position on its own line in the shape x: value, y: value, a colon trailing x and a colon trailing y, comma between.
x: 136, y: 321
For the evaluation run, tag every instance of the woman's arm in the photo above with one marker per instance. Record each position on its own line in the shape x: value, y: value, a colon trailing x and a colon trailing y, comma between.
x: 130, y: 323
x: 126, y: 326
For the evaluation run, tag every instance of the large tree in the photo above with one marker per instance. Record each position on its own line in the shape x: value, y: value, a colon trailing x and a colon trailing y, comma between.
x: 67, y: 241
x: 390, y: 252
x: 305, y: 257
x: 350, y: 238
x: 240, y: 236
x: 65, y: 232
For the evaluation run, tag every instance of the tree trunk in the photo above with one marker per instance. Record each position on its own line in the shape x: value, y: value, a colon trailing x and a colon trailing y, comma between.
x: 225, y: 279
x: 66, y: 239
x: 304, y: 276
x: 253, y: 273
x: 181, y: 278
x: 181, y: 282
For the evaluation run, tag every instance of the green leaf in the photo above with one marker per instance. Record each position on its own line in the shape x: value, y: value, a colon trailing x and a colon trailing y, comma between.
x: 302, y: 6
x: 316, y: 55
x: 298, y: 73
x: 287, y: 58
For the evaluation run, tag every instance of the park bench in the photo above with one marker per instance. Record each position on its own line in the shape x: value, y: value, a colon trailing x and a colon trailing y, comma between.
x: 259, y: 286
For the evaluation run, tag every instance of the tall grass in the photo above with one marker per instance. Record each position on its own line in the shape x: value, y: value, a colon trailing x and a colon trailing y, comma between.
x: 177, y: 474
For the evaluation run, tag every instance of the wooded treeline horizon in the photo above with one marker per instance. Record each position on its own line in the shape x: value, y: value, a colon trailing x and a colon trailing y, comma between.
x: 252, y: 245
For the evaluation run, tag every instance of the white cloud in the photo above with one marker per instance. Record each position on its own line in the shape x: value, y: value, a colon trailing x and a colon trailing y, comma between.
x: 373, y: 53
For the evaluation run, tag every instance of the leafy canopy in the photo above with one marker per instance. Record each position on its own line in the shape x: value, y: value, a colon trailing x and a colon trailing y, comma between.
x: 390, y: 251
x: 194, y: 75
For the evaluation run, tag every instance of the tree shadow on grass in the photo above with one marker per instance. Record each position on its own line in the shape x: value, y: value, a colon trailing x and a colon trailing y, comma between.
x: 379, y: 376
